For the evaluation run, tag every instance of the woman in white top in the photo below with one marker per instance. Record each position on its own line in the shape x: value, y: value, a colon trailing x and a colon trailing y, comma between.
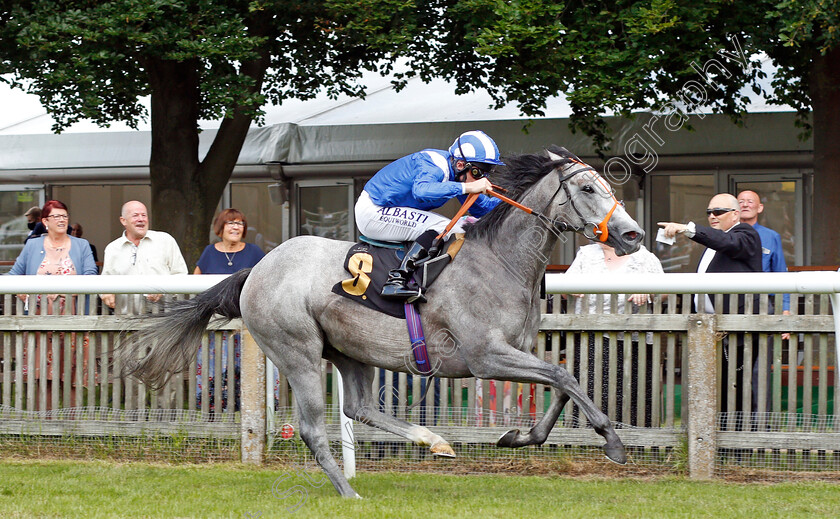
x: 595, y: 260
x: 600, y: 258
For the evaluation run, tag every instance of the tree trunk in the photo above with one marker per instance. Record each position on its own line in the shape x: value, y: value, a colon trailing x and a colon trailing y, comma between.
x: 181, y: 203
x: 825, y: 102
x: 186, y: 191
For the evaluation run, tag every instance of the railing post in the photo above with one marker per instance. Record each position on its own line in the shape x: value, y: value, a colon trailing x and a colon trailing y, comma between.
x: 702, y: 395
x: 253, y: 400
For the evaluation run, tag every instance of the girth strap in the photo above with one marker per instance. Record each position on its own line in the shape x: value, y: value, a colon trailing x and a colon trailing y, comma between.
x: 418, y: 339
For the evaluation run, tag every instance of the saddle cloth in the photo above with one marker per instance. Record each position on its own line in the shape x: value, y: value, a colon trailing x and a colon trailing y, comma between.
x: 369, y: 266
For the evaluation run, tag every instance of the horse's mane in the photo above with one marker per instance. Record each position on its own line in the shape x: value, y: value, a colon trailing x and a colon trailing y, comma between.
x: 519, y: 174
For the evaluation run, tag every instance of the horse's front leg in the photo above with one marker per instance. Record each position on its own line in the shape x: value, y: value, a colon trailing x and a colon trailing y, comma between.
x: 504, y: 362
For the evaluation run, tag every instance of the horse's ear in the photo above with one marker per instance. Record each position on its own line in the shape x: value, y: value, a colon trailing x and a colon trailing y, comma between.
x: 552, y: 156
x: 559, y: 153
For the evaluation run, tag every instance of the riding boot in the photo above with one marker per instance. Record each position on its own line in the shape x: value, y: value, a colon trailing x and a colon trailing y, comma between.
x: 397, y: 285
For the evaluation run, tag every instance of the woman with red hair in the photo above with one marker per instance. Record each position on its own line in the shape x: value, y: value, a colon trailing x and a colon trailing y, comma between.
x: 225, y: 257
x: 55, y: 253
x: 231, y: 253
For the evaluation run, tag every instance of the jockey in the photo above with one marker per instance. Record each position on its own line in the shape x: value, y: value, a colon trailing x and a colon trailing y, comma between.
x: 395, y: 204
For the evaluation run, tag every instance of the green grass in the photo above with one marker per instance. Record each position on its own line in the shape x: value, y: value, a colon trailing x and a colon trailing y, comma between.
x: 104, y: 489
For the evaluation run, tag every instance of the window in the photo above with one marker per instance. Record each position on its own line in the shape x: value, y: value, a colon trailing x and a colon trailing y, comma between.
x: 679, y: 198
x: 265, y: 219
x: 14, y: 201
x: 325, y: 208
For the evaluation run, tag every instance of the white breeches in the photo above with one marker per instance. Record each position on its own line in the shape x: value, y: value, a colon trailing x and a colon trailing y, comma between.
x: 397, y: 223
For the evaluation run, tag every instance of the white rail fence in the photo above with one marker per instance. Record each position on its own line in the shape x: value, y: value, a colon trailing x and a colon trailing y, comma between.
x: 704, y: 433
x: 698, y: 363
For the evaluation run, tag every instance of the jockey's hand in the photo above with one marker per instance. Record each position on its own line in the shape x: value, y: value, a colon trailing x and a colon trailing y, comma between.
x: 481, y: 185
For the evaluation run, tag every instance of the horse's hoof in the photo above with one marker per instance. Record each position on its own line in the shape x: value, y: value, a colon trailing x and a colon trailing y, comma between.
x: 443, y: 450
x: 507, y: 439
x: 616, y: 453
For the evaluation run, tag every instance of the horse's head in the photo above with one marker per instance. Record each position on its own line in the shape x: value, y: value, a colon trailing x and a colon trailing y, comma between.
x: 585, y: 202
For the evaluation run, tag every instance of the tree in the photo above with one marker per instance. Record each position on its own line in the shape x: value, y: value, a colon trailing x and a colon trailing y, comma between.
x: 197, y: 59
x: 225, y: 58
x: 673, y: 56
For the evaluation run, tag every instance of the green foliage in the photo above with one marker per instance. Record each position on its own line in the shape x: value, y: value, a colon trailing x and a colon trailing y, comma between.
x: 810, y: 23
x: 92, y: 59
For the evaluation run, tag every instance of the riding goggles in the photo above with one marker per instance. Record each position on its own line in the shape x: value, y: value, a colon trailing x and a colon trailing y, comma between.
x: 719, y: 211
x: 478, y: 170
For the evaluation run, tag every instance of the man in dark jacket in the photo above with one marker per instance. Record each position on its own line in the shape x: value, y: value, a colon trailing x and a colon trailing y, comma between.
x: 34, y: 223
x: 731, y: 246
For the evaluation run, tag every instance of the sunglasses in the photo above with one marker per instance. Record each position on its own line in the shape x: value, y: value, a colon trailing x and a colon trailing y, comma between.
x: 719, y: 211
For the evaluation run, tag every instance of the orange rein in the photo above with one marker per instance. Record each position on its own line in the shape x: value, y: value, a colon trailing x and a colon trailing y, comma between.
x: 507, y: 200
x: 472, y: 198
x: 464, y: 208
x: 602, y: 231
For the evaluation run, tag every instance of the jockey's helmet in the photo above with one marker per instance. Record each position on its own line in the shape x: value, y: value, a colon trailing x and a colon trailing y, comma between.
x: 476, y: 146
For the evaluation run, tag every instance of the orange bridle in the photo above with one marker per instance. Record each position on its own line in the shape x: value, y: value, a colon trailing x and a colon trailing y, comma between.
x: 600, y: 231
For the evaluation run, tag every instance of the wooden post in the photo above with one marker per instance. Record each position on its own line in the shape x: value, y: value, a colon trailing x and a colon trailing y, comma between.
x: 253, y: 400
x: 702, y: 395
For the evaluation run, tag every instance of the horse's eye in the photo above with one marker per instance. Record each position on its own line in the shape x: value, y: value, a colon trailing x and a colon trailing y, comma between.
x: 588, y: 188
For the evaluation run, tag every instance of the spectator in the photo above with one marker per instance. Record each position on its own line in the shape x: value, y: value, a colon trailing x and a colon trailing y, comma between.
x: 140, y: 251
x: 77, y: 231
x: 33, y: 221
x: 772, y: 260
x: 231, y: 253
x: 58, y: 254
x: 731, y: 246
x: 593, y: 261
x: 225, y: 257
x: 772, y: 254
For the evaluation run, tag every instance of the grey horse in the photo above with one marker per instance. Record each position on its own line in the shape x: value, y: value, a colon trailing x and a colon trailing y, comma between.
x: 480, y: 321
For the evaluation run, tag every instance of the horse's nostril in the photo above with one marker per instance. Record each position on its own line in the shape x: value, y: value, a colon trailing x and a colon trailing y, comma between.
x: 632, y: 235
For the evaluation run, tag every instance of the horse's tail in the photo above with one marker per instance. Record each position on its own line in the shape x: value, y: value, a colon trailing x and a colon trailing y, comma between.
x: 166, y: 342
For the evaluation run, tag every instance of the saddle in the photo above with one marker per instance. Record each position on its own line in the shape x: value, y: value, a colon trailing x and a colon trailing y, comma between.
x: 369, y: 262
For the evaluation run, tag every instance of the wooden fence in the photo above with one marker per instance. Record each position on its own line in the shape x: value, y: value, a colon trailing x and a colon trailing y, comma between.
x: 56, y: 353
x: 655, y: 370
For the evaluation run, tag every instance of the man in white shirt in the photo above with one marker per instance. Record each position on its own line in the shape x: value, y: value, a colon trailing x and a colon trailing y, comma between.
x: 140, y: 251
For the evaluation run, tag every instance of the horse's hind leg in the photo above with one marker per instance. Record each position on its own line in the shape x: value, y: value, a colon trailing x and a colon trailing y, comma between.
x: 359, y: 404
x: 539, y: 432
x: 306, y: 384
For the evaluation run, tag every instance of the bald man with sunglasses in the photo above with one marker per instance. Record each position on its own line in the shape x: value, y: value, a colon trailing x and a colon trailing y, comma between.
x: 731, y: 246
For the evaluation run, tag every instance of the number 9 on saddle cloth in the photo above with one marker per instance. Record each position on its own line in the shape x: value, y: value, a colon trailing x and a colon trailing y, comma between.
x: 370, y: 261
